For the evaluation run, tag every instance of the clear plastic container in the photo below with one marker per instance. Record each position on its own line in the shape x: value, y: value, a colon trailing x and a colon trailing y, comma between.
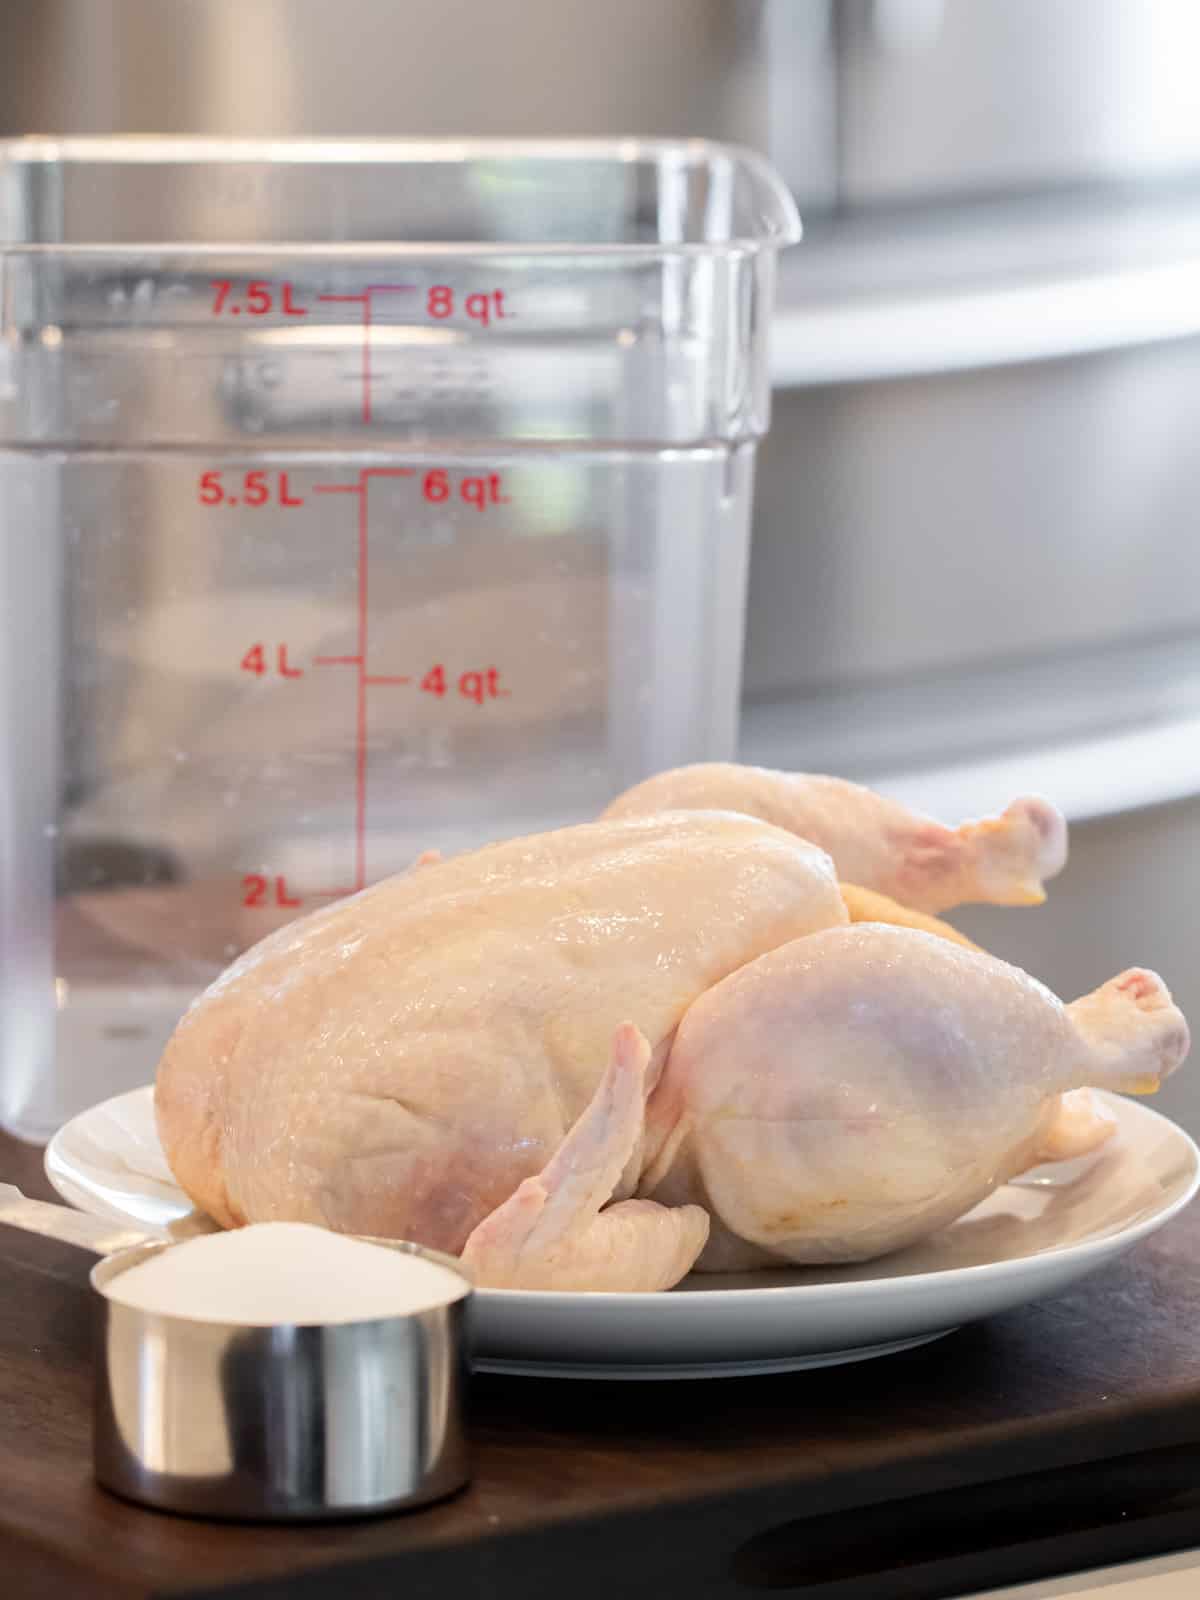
x: 355, y: 499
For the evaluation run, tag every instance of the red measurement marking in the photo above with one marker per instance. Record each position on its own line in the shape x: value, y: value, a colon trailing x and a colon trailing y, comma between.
x: 255, y: 661
x: 366, y: 361
x: 360, y: 807
x: 364, y: 300
x: 256, y: 488
x: 476, y: 684
x: 259, y: 891
x: 360, y: 718
x: 478, y: 490
x: 260, y: 299
x: 484, y: 306
x: 480, y: 685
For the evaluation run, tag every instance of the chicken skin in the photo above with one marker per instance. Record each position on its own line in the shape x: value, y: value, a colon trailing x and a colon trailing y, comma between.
x: 399, y: 1062
x: 851, y: 1092
x: 838, y: 1098
x: 875, y: 842
x: 594, y: 1058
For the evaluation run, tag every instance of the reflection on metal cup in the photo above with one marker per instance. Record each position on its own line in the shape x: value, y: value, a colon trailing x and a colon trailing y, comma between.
x: 277, y: 1422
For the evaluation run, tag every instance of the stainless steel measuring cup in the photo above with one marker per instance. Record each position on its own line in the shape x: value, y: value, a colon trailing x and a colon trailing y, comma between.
x: 265, y: 1423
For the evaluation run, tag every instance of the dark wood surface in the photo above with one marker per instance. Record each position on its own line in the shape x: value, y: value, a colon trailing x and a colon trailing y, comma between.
x: 1056, y: 1436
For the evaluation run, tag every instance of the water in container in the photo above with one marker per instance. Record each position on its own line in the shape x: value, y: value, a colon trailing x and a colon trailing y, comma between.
x: 356, y: 499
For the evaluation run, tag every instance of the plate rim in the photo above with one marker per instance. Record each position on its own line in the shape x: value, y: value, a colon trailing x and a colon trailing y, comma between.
x: 670, y: 1371
x: 864, y: 1289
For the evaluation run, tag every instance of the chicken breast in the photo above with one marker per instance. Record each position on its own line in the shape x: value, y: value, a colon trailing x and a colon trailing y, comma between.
x: 398, y: 1063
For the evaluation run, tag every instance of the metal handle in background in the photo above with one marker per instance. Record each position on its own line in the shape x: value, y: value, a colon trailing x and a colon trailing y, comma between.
x: 1001, y: 324
x: 101, y: 1237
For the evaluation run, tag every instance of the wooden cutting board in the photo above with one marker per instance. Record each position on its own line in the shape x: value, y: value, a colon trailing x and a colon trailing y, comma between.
x: 1052, y: 1438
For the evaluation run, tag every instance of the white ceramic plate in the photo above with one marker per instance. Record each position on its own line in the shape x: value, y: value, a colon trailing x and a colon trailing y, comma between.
x: 1033, y: 1237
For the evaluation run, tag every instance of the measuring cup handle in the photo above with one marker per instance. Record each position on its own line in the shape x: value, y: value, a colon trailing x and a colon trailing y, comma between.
x: 102, y: 1238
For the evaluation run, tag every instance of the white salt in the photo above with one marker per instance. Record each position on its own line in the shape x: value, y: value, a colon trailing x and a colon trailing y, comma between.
x: 273, y: 1272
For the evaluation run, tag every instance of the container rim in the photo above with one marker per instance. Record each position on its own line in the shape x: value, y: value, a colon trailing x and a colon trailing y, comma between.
x: 778, y: 219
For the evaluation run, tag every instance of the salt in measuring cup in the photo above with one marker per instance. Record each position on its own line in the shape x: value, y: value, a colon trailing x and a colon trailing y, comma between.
x: 266, y: 1423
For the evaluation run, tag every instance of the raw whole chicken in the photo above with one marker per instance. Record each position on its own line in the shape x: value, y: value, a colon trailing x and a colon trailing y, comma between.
x: 595, y: 1058
x: 398, y: 1062
x: 876, y: 843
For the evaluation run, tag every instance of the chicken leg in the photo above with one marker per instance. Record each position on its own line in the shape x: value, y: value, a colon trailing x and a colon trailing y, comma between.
x: 852, y: 1091
x: 875, y: 842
